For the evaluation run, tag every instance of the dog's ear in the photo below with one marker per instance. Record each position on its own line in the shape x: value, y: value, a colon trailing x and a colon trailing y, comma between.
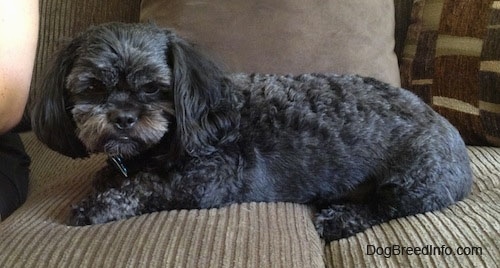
x: 51, y: 118
x: 204, y: 107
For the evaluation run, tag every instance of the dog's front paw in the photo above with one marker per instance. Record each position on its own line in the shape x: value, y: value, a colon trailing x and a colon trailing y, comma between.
x: 86, y: 212
x: 78, y: 216
x: 342, y: 221
x: 112, y: 205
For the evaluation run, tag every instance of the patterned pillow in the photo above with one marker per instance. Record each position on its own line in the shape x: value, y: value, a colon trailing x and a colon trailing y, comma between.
x: 451, y: 60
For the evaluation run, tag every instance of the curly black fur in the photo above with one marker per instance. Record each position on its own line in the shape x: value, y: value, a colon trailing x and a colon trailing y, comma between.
x: 193, y: 136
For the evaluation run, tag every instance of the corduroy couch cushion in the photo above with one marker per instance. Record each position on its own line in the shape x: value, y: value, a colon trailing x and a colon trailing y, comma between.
x: 452, y: 61
x: 244, y: 235
x: 247, y: 235
x: 287, y: 36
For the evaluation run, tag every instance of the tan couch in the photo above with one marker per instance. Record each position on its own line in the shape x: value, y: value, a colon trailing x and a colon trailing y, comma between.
x: 245, y: 235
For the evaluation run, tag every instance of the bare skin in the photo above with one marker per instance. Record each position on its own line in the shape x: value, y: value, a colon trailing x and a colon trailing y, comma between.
x: 18, y: 41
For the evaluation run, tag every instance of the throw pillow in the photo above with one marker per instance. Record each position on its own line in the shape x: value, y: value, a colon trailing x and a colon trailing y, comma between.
x: 452, y: 61
x: 287, y: 36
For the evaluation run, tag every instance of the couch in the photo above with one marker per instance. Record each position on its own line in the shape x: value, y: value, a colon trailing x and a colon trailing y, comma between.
x: 451, y: 62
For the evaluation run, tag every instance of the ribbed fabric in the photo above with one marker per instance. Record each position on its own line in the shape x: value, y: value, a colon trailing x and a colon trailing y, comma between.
x: 246, y: 235
x: 473, y: 222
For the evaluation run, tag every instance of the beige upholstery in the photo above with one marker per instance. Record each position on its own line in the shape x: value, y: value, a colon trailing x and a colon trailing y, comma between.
x: 241, y: 235
x: 287, y: 36
x: 245, y: 235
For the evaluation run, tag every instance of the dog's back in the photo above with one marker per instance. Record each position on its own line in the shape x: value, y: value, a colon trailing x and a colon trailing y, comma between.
x: 316, y: 138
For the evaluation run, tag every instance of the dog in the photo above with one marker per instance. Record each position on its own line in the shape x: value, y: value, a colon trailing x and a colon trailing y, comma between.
x: 182, y: 133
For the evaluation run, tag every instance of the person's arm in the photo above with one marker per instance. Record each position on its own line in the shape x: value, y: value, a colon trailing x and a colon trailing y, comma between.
x: 18, y: 40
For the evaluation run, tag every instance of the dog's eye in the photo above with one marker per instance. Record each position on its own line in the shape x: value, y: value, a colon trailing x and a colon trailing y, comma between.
x: 96, y: 86
x: 151, y: 88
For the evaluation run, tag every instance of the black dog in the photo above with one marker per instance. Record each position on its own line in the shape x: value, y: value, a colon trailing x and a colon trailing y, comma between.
x: 187, y: 135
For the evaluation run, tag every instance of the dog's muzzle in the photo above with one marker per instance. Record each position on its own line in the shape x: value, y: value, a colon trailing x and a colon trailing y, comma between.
x: 123, y: 119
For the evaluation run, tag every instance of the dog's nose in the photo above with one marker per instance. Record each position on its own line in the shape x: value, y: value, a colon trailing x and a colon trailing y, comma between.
x: 124, y: 119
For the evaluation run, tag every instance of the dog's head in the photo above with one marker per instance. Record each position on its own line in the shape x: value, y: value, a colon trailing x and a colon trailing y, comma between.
x: 120, y: 88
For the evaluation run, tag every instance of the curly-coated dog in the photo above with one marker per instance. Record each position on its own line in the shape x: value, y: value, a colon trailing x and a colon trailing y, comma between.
x: 183, y: 134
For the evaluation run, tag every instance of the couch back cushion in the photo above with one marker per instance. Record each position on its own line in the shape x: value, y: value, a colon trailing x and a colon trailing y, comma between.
x: 452, y: 60
x: 287, y: 36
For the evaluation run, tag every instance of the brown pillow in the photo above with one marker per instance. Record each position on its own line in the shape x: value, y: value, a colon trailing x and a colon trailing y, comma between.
x: 287, y: 36
x: 451, y: 60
